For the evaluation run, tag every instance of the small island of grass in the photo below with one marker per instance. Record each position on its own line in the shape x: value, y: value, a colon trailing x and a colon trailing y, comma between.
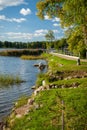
x: 6, y: 80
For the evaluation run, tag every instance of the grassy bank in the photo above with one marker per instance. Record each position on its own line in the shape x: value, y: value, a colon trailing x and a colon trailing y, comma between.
x: 63, y: 103
x: 48, y: 117
x: 6, y: 80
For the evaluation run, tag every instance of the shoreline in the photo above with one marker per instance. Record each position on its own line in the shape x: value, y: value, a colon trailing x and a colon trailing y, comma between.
x: 70, y: 82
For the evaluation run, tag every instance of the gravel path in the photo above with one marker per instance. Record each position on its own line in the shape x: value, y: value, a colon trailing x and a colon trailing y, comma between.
x: 67, y: 57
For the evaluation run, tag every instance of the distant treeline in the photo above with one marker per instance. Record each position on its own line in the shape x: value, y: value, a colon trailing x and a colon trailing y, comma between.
x: 22, y: 45
x: 30, y: 48
x: 33, y: 45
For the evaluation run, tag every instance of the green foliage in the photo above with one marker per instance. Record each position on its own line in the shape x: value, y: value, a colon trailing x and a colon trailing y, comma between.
x: 6, y: 80
x: 50, y: 36
x: 71, y: 13
x: 22, y: 45
x: 76, y: 42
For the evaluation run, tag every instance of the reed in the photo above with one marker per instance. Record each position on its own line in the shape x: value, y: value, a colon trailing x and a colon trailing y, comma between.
x: 10, y: 79
x: 21, y: 52
x: 28, y: 57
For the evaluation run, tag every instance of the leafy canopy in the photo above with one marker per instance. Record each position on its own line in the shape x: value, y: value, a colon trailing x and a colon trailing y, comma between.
x: 69, y: 11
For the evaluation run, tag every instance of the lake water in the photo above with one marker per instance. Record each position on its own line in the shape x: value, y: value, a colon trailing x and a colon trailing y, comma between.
x: 24, y: 69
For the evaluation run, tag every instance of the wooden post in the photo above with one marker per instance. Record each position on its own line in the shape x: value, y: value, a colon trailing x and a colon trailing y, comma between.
x: 78, y: 61
x: 1, y: 125
x: 86, y: 53
x: 62, y: 115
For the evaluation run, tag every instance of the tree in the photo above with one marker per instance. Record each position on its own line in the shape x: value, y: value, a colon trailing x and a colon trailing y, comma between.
x: 76, y: 42
x: 70, y: 12
x: 49, y: 37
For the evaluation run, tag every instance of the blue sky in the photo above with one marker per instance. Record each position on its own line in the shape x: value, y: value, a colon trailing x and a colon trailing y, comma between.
x: 19, y: 22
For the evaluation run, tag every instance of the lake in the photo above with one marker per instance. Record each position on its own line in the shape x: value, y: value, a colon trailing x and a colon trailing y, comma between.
x: 24, y: 69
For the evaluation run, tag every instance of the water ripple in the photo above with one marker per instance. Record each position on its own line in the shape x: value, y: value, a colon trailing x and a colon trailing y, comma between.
x: 23, y: 68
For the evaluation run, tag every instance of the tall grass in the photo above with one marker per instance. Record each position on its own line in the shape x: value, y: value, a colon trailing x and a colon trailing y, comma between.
x: 9, y: 79
x: 19, y: 52
x: 31, y: 57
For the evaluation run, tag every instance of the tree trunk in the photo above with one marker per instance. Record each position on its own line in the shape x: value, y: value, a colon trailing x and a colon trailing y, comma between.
x: 85, y: 34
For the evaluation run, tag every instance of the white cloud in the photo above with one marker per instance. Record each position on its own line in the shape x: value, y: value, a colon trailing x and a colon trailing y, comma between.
x: 56, y: 24
x: 2, y: 17
x: 25, y: 36
x: 41, y: 31
x: 18, y: 20
x: 46, y: 17
x: 25, y: 11
x: 55, y: 31
x: 56, y: 19
x: 19, y: 35
x: 7, y: 3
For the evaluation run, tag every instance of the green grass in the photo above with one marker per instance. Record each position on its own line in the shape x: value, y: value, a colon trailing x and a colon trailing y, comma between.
x: 48, y: 116
x: 6, y: 80
x: 21, y: 101
x: 80, y: 81
x: 57, y: 63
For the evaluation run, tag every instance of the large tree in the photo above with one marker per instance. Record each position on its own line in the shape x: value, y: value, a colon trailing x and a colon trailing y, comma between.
x: 70, y: 12
x: 76, y: 42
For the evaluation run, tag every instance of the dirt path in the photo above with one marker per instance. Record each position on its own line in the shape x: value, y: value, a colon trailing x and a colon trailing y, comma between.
x: 68, y: 57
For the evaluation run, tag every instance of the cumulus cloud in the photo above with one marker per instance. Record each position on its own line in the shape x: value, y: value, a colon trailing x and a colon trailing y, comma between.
x: 56, y: 24
x: 18, y: 20
x: 56, y: 19
x: 41, y: 32
x: 2, y: 17
x: 25, y: 11
x: 7, y: 3
x: 55, y: 31
x: 19, y: 35
x: 46, y: 17
x: 26, y: 36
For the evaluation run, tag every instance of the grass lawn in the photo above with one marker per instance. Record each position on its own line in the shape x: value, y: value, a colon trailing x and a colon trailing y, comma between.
x: 57, y: 104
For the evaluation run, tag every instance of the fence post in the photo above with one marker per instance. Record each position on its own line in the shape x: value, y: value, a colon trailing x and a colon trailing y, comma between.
x: 62, y: 115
